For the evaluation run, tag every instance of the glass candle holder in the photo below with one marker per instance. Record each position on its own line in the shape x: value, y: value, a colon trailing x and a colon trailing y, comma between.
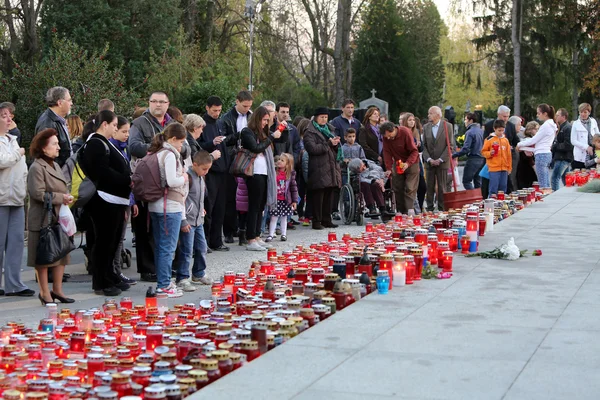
x: 383, y: 281
x: 154, y: 337
x: 448, y: 256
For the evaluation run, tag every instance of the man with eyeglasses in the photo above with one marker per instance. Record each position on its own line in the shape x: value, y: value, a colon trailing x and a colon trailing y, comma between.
x: 59, y: 103
x: 152, y: 122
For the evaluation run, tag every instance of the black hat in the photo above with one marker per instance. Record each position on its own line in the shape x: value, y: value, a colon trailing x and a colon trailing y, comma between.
x: 321, y: 111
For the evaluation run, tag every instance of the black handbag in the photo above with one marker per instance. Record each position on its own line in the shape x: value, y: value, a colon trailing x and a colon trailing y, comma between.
x: 54, y: 244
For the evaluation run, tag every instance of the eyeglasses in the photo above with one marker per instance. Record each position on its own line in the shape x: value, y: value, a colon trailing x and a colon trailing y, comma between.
x: 159, y: 101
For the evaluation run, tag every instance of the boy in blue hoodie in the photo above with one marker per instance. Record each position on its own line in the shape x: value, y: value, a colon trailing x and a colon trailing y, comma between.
x: 192, y: 242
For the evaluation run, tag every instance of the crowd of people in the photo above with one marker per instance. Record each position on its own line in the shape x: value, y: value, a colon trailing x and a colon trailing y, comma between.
x: 170, y: 175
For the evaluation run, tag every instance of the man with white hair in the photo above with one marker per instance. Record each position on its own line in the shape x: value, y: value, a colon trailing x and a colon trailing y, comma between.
x: 435, y: 154
x: 510, y: 132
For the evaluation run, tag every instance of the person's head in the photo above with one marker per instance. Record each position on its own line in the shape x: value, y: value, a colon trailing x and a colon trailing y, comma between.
x: 516, y: 121
x: 201, y: 162
x: 283, y: 111
x: 174, y: 134
x: 531, y: 129
x: 434, y: 114
x: 562, y: 116
x: 45, y: 143
x: 356, y: 166
x: 138, y: 112
x: 106, y: 104
x: 123, y: 126
x: 194, y: 124
x: 283, y: 162
x: 243, y: 102
x: 159, y: 103
x: 270, y: 106
x: 470, y: 118
x: 5, y: 118
x: 10, y: 106
x: 503, y: 113
x: 175, y: 113
x: 259, y: 122
x: 302, y: 125
x: 59, y: 100
x: 584, y: 110
x: 297, y: 120
x: 321, y: 115
x: 499, y: 127
x: 371, y: 116
x: 408, y: 120
x: 74, y: 125
x: 348, y: 108
x: 214, y: 106
x: 105, y: 123
x: 383, y: 118
x: 596, y: 141
x: 350, y: 135
x: 545, y: 112
x: 388, y: 130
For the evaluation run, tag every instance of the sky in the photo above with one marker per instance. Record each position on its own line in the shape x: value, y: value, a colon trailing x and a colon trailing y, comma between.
x: 443, y: 6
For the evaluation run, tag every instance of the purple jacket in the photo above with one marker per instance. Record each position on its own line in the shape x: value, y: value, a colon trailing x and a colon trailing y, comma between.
x: 241, y: 195
x: 291, y: 192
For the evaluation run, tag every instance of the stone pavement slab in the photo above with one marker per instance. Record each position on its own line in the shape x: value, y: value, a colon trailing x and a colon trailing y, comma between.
x: 526, y: 329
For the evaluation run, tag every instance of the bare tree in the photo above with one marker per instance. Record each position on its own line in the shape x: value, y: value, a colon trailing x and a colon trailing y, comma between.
x: 516, y: 42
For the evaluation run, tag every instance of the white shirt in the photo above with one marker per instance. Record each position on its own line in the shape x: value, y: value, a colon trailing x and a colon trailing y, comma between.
x: 542, y: 140
x: 260, y: 165
x: 242, y: 122
x: 434, y: 130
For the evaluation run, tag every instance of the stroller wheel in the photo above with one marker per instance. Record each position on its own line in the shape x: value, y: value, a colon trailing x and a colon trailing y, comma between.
x: 126, y: 257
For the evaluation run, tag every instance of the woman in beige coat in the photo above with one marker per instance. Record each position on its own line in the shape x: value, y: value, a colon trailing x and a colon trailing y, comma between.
x: 45, y: 176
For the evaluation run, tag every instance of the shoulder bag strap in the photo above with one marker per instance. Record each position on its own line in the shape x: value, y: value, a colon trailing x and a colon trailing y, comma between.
x: 450, y: 155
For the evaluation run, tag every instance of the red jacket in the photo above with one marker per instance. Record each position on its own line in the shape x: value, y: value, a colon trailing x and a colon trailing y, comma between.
x: 401, y: 147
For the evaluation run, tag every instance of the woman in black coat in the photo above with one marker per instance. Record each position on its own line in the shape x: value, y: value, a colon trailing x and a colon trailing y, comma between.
x: 369, y: 137
x: 262, y: 189
x: 324, y: 175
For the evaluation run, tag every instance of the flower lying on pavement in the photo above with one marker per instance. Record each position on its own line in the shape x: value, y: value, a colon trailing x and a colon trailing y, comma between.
x: 508, y: 251
x: 537, y: 252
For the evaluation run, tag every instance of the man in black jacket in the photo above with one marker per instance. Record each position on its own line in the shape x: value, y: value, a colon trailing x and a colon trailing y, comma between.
x: 562, y: 149
x: 510, y: 133
x: 59, y: 103
x: 214, y: 137
x: 235, y: 120
x: 142, y: 131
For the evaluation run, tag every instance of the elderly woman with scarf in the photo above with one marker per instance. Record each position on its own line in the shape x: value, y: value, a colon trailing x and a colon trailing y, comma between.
x: 324, y: 175
x: 369, y: 136
x: 262, y: 187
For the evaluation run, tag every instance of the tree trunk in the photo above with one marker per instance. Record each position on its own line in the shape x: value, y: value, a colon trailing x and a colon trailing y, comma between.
x: 190, y: 19
x: 341, y: 54
x: 13, y: 46
x: 575, y: 91
x: 209, y: 23
x: 516, y: 42
x: 31, y: 12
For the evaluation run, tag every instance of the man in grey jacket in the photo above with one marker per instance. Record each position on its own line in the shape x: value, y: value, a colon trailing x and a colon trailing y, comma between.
x: 142, y: 131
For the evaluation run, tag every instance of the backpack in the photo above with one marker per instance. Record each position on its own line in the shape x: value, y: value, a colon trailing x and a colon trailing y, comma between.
x: 147, y: 183
x: 82, y: 187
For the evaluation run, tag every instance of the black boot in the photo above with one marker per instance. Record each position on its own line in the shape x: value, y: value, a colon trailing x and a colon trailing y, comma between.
x: 242, y: 237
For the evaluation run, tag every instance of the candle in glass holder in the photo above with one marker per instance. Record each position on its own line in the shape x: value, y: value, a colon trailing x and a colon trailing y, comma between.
x: 77, y: 343
x: 154, y: 337
x: 442, y: 247
x: 369, y: 227
x: 398, y: 218
x: 386, y: 263
x: 331, y: 236
x: 464, y: 244
x: 569, y: 179
x: 421, y: 236
x: 410, y: 269
x: 501, y: 195
x: 95, y: 363
x: 126, y: 302
x: 448, y: 256
x: 432, y: 243
x: 454, y: 240
x: 399, y: 270
x: 482, y: 225
x: 418, y: 259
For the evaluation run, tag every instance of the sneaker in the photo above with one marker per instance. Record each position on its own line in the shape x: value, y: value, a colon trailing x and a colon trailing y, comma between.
x: 201, y: 281
x: 283, y: 238
x: 123, y: 285
x: 269, y: 239
x: 171, y: 291
x: 186, y: 285
x: 336, y: 216
x: 261, y: 242
x: 126, y: 279
x: 148, y: 277
x: 306, y: 222
x: 294, y: 222
x: 254, y: 246
x: 291, y: 226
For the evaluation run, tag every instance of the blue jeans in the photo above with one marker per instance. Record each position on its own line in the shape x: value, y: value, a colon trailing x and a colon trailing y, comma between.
x: 471, y: 172
x: 191, y: 244
x: 498, y: 181
x: 542, y: 161
x: 561, y: 167
x: 166, y: 234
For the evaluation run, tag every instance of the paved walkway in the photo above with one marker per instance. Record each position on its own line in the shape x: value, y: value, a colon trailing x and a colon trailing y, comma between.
x: 526, y: 329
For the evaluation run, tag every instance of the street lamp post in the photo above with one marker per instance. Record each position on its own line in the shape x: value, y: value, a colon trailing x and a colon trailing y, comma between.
x: 252, y: 12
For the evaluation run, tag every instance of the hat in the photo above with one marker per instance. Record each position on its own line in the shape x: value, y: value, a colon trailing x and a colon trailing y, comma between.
x: 355, y: 164
x: 321, y: 111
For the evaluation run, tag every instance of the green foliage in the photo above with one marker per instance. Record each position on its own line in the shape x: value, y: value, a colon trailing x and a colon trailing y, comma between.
x: 132, y: 28
x: 398, y: 54
x: 88, y: 76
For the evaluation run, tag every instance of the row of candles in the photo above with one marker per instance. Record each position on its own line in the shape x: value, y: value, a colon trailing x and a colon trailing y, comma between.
x: 152, y: 351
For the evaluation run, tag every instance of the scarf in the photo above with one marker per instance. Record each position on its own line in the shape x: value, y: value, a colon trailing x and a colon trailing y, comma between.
x: 325, y: 132
x: 586, y: 124
x: 375, y: 129
x: 271, y: 179
x: 122, y: 146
